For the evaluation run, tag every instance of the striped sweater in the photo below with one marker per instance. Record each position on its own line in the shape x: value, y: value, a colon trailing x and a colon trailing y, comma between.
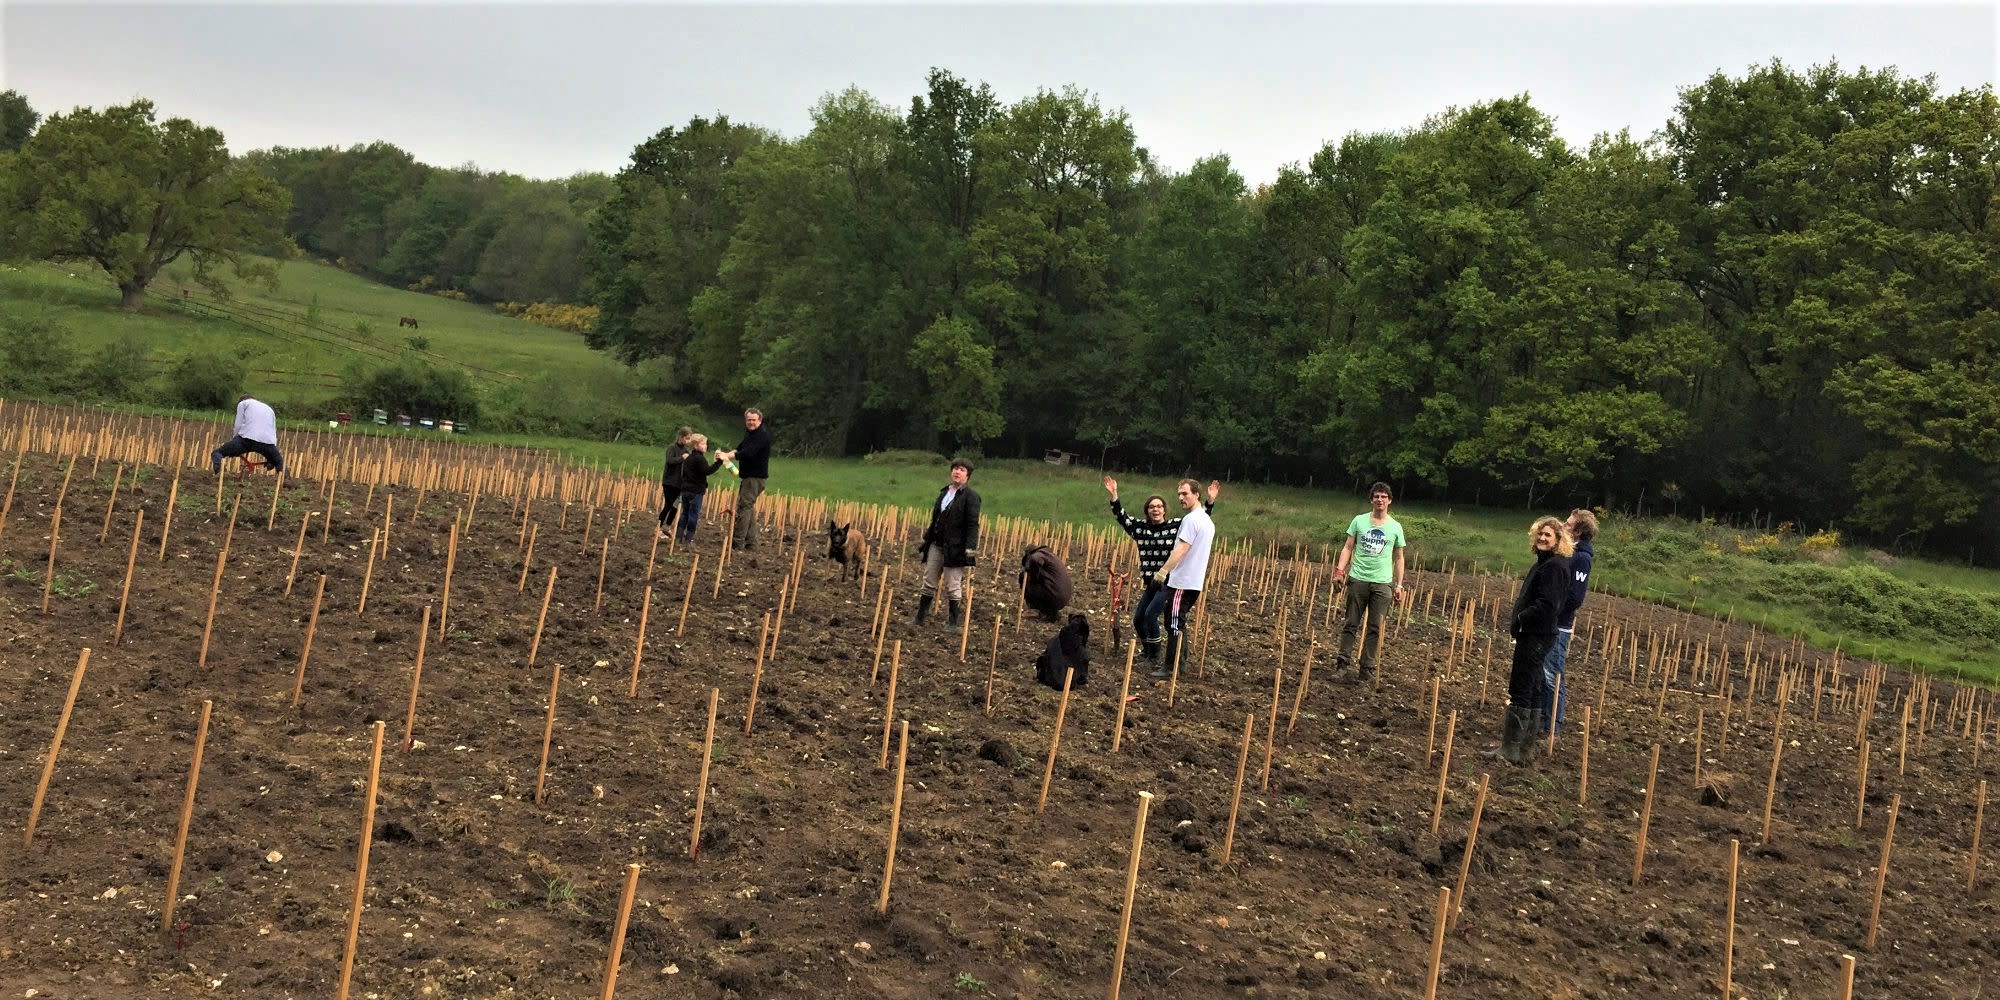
x: 1156, y: 541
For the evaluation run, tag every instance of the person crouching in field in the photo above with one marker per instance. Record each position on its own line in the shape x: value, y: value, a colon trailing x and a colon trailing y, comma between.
x: 256, y: 430
x: 670, y: 478
x: 1537, y: 608
x: 1155, y: 538
x: 695, y: 470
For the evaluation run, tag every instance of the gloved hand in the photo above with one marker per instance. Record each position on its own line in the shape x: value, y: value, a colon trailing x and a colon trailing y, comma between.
x: 1160, y: 575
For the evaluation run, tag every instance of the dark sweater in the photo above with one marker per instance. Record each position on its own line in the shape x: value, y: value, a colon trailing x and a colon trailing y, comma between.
x: 676, y: 454
x: 1579, y: 584
x: 1541, y: 597
x: 1156, y: 541
x: 753, y: 454
x: 695, y: 473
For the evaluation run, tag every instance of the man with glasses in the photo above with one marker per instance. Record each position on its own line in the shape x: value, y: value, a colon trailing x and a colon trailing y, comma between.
x: 1185, y: 571
x: 1371, y: 567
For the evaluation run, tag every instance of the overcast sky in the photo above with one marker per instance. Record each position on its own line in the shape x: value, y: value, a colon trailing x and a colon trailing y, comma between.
x: 549, y: 89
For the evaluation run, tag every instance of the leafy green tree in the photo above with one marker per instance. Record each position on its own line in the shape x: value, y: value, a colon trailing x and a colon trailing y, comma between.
x: 1056, y: 170
x: 206, y: 381
x: 17, y: 120
x: 962, y: 390
x: 36, y: 354
x: 660, y: 239
x: 133, y: 195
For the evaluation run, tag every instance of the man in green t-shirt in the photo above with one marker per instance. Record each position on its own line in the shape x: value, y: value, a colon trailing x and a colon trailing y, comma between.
x: 1371, y: 567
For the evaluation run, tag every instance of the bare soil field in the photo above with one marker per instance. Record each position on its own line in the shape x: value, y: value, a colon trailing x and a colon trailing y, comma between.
x: 474, y: 890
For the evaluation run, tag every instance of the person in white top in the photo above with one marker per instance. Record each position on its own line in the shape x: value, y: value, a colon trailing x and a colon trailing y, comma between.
x: 1184, y: 573
x: 256, y: 430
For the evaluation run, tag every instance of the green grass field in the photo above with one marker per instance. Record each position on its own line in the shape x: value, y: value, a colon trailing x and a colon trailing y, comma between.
x: 1934, y: 616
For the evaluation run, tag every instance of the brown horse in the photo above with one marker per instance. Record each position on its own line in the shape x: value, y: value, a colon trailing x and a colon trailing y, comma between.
x: 409, y: 321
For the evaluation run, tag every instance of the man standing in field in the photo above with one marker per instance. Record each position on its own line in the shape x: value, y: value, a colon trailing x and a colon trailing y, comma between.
x: 950, y: 543
x: 256, y: 430
x: 753, y: 458
x: 1185, y: 572
x: 1581, y: 527
x: 1371, y: 567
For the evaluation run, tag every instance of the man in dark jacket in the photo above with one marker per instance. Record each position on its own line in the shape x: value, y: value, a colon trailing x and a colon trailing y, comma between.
x: 753, y: 458
x: 950, y: 543
x: 1581, y: 528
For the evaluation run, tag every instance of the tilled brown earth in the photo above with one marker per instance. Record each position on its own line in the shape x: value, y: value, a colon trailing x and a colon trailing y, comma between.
x: 474, y: 890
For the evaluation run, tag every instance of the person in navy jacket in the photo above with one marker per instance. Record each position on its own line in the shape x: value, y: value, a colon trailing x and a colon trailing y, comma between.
x: 1581, y: 528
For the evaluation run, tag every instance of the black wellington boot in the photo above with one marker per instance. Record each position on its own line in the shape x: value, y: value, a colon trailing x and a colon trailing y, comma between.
x: 954, y: 611
x: 923, y: 608
x: 1520, y: 729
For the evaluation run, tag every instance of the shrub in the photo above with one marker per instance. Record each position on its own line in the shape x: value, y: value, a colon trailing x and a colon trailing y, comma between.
x: 119, y: 371
x: 35, y: 355
x: 415, y: 388
x: 205, y: 382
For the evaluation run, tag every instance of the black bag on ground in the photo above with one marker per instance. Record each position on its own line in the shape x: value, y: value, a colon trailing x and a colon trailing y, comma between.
x: 1069, y: 649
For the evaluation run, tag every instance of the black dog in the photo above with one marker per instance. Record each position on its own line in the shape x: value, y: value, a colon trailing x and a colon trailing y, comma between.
x: 847, y: 547
x: 1070, y: 649
x: 1045, y: 582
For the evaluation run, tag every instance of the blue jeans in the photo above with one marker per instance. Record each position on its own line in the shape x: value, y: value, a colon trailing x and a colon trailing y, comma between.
x: 1146, y: 614
x: 1554, y: 693
x: 690, y: 515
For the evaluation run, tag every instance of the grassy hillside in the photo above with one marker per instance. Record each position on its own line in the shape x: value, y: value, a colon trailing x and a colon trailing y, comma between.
x: 1931, y: 615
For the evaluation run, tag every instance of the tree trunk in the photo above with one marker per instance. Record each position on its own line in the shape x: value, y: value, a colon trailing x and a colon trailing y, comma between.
x: 133, y: 295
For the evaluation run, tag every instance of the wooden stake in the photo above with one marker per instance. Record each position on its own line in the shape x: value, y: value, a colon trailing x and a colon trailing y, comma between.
x: 639, y: 647
x: 1882, y: 868
x: 1055, y: 741
x: 1271, y: 728
x: 993, y: 666
x: 187, y: 818
x: 278, y: 490
x: 528, y: 560
x: 757, y: 674
x: 55, y: 535
x: 1583, y: 767
x: 214, y: 595
x: 701, y: 790
x: 618, y: 931
x: 1645, y: 817
x: 1430, y: 740
x: 361, y: 863
x: 687, y: 595
x: 125, y: 591
x: 416, y: 681
x: 167, y: 523
x: 450, y: 560
x: 1444, y: 770
x: 1729, y: 924
x: 1471, y: 841
x: 55, y: 746
x: 1978, y: 821
x: 1437, y: 942
x: 1861, y: 787
x: 1847, y: 977
x: 889, y: 705
x: 548, y: 591
x: 1699, y: 716
x: 298, y: 549
x: 548, y: 732
x: 1131, y: 889
x: 895, y: 817
x: 326, y: 521
x: 1771, y: 790
x: 603, y: 558
x: 1236, y: 798
x: 368, y: 575
x: 110, y: 505
x: 305, y: 652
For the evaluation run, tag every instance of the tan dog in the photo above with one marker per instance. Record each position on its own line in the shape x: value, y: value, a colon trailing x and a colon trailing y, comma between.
x: 848, y: 547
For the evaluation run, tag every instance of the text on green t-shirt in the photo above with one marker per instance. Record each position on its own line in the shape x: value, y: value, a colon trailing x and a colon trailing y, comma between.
x: 1375, y: 547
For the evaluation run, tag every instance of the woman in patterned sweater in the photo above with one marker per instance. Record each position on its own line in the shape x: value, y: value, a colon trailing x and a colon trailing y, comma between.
x: 1155, y: 536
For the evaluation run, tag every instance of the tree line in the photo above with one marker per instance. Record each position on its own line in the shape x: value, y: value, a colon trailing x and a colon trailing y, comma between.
x: 1785, y: 300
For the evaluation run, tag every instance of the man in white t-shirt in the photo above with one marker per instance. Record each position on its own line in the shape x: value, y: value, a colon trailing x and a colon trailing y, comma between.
x: 256, y: 430
x: 1184, y: 572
